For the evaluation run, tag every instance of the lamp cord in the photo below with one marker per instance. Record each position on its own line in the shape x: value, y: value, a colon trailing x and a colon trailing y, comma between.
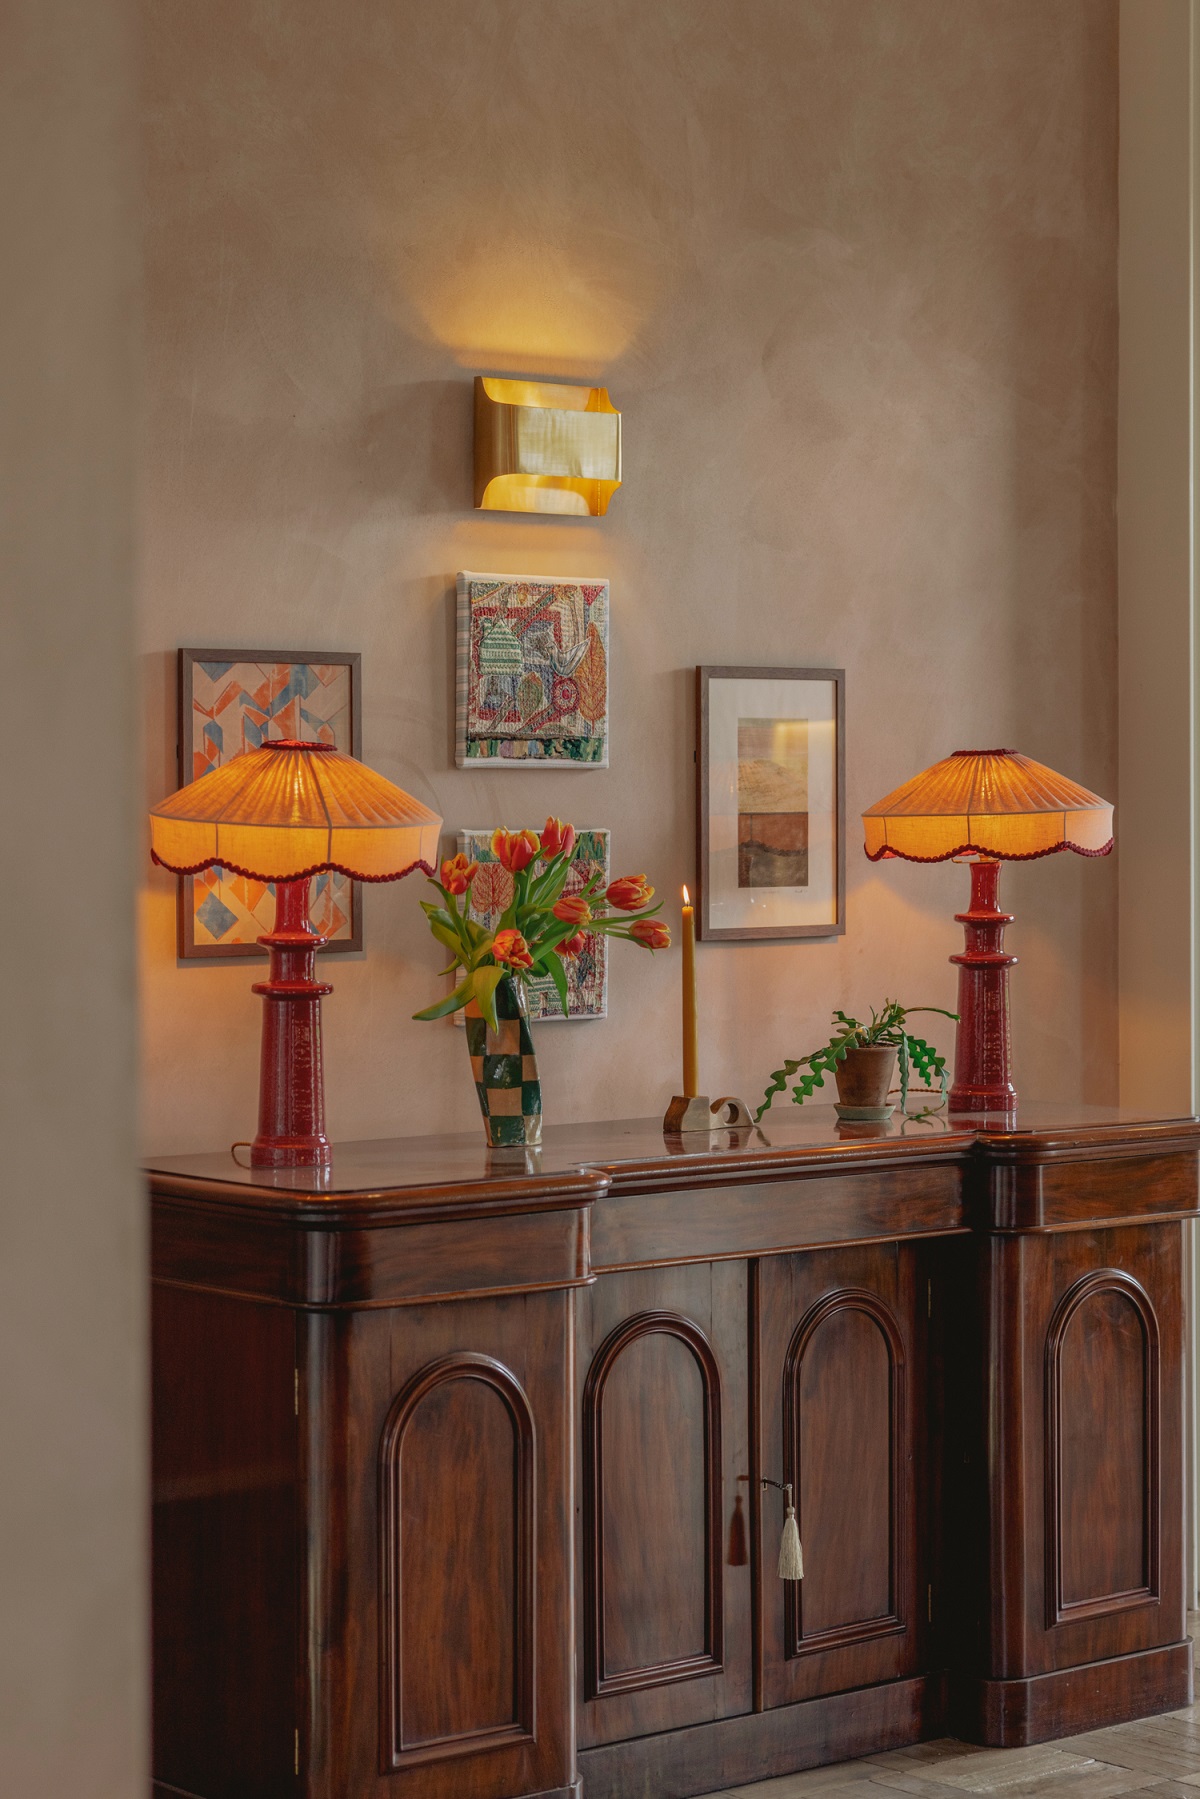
x: 233, y: 1150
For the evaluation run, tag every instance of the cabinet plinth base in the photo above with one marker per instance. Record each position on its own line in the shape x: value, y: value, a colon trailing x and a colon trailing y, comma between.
x: 159, y: 1790
x: 759, y: 1745
x: 1011, y: 1714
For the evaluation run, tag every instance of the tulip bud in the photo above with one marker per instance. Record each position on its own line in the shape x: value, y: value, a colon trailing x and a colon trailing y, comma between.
x: 651, y: 933
x: 572, y: 908
x: 557, y: 838
x: 515, y: 850
x: 458, y: 873
x: 509, y: 949
x: 629, y: 893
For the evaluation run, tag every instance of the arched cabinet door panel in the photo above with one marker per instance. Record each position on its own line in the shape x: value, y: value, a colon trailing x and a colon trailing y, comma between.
x: 664, y: 1637
x: 653, y: 1600
x: 845, y: 1397
x: 1089, y: 1462
x: 1103, y: 1429
x: 457, y: 1652
x: 840, y: 1403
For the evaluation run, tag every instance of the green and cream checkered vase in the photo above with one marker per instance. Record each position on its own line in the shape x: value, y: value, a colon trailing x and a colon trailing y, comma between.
x: 505, y: 1069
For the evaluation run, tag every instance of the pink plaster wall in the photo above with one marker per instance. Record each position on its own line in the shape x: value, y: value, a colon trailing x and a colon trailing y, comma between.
x: 848, y: 266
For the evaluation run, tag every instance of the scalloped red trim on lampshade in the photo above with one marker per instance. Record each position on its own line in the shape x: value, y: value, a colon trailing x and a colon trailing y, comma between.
x: 288, y: 810
x: 993, y: 803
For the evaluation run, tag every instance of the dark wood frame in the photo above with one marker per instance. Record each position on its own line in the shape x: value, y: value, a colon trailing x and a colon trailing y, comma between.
x: 752, y: 934
x: 893, y: 1622
x: 187, y: 950
x: 394, y: 1752
x: 1060, y: 1610
x: 598, y: 1682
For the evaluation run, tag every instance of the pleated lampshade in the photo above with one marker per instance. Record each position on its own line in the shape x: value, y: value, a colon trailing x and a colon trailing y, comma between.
x: 992, y: 803
x: 287, y: 810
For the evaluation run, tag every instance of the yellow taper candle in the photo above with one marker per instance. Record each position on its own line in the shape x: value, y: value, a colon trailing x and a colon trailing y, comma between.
x: 691, y: 1046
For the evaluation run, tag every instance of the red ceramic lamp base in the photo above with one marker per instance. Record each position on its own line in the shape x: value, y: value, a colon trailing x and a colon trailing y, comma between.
x: 983, y: 1042
x: 291, y: 1092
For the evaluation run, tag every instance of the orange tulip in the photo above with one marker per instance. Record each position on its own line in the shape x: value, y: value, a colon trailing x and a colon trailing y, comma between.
x: 511, y: 950
x: 514, y: 849
x: 572, y: 908
x: 651, y: 933
x: 458, y: 873
x: 573, y: 945
x: 630, y: 892
x: 557, y: 838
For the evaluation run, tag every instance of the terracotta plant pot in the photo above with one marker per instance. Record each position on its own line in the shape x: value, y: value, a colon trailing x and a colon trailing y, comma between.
x: 865, y: 1077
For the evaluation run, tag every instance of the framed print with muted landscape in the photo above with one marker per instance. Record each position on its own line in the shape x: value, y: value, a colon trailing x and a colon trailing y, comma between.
x: 587, y: 973
x: 771, y: 763
x: 234, y: 700
x: 532, y: 671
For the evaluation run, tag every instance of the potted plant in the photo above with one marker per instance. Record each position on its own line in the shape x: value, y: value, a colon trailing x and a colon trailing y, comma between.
x: 540, y: 929
x: 862, y: 1059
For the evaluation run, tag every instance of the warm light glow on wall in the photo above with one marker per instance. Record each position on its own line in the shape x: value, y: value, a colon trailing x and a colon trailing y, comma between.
x: 543, y: 446
x: 552, y: 298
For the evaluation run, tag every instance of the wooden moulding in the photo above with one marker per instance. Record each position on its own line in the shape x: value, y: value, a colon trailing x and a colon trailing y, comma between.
x: 773, y: 1217
x: 314, y: 1269
x: 396, y: 1752
x: 599, y: 1682
x: 759, y: 1745
x: 1086, y: 1294
x: 1011, y: 1714
x: 160, y: 1790
x: 1060, y: 1187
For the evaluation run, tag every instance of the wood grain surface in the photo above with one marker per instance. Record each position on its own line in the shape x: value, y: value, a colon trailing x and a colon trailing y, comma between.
x: 445, y: 1470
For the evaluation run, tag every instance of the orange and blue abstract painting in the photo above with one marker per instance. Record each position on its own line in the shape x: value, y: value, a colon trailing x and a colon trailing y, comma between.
x: 233, y: 706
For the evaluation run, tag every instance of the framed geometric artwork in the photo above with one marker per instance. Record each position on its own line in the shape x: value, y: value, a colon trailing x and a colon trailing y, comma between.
x: 771, y: 798
x: 587, y: 973
x: 233, y: 700
x: 532, y: 671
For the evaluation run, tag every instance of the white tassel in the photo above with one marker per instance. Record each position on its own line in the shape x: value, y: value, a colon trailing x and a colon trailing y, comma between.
x: 791, y: 1556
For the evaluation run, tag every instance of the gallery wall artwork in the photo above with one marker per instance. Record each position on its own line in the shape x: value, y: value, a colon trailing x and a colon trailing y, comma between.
x: 234, y: 700
x: 587, y: 973
x: 771, y: 800
x: 532, y: 674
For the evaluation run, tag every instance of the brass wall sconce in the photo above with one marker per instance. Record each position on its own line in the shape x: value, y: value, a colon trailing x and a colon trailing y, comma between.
x: 543, y: 446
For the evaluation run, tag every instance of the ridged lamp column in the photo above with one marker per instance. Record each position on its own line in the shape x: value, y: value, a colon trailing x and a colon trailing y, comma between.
x: 281, y: 814
x: 986, y: 807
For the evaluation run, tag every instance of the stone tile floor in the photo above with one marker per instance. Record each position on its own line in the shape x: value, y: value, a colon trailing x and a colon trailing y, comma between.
x: 1156, y: 1756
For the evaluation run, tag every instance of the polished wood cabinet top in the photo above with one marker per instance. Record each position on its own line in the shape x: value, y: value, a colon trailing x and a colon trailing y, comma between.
x: 421, y: 1177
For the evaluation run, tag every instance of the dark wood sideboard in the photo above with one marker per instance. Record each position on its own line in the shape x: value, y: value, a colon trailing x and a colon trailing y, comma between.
x: 451, y: 1460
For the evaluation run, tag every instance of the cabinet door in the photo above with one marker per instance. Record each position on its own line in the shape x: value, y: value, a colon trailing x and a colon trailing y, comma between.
x: 1086, y: 1463
x: 840, y: 1384
x: 662, y: 1409
x: 436, y: 1442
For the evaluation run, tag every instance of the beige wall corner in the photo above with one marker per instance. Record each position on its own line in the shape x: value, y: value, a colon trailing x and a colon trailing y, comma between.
x: 72, y: 1329
x: 1155, y: 794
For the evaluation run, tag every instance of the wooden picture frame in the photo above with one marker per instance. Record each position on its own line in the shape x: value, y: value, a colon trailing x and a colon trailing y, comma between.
x: 245, y: 696
x: 786, y: 750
